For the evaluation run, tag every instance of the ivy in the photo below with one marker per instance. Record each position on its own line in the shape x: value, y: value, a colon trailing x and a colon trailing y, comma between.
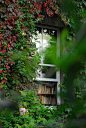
x: 16, y: 29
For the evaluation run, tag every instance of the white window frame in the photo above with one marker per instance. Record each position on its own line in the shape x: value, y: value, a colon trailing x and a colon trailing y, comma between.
x: 57, y: 80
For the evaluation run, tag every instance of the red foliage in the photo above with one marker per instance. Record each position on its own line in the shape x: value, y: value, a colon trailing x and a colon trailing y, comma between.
x: 26, y: 6
x: 3, y: 81
x: 11, y: 12
x: 0, y: 37
x: 49, y: 7
x: 1, y: 71
x: 40, y: 16
x: 8, y: 45
x: 13, y: 32
x: 7, y: 67
x: 56, y: 12
x: 0, y: 88
x: 45, y: 4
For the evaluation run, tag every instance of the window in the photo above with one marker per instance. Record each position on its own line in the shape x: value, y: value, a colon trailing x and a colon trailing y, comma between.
x: 46, y: 73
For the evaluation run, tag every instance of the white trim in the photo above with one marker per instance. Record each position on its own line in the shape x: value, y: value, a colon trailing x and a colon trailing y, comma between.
x: 49, y: 65
x: 58, y: 73
x: 58, y: 88
x: 47, y: 79
x: 58, y: 42
x: 42, y: 45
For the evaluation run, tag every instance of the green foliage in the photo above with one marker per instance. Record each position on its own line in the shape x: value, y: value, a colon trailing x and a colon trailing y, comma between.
x: 72, y: 62
x: 37, y: 116
x: 19, y: 63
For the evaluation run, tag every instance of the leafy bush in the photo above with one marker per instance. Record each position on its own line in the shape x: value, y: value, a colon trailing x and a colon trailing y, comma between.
x: 37, y: 116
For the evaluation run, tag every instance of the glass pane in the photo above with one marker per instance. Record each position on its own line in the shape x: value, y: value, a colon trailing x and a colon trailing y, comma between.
x: 39, y: 40
x: 45, y: 38
x: 49, y: 40
x: 48, y: 35
x: 48, y: 72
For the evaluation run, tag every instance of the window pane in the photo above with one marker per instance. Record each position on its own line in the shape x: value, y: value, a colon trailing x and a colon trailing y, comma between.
x: 49, y: 43
x: 48, y: 72
x: 45, y: 39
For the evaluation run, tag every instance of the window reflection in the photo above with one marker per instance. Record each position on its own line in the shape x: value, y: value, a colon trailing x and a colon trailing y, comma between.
x: 44, y: 39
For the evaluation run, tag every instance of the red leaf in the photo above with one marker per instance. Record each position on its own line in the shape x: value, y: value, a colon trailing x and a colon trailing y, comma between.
x: 12, y: 63
x: 4, y: 48
x: 3, y: 81
x: 7, y: 67
x: 14, y: 38
x: 40, y: 16
x: 26, y: 6
x: 5, y: 22
x: 0, y: 88
x: 10, y: 42
x: 3, y: 51
x: 7, y: 39
x: 0, y: 37
x: 56, y: 12
x: 33, y: 52
x: 1, y: 71
x: 0, y: 58
x: 45, y: 5
x: 0, y: 44
x: 8, y: 45
x: 8, y: 23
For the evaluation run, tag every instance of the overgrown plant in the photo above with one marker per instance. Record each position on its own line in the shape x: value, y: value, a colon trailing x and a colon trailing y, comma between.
x: 72, y: 63
x: 37, y: 116
x: 18, y: 60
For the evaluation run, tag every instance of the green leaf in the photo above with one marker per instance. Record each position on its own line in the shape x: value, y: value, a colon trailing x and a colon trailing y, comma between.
x: 18, y: 126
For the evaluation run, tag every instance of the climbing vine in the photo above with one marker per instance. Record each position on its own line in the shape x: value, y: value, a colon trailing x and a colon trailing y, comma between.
x: 18, y: 61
